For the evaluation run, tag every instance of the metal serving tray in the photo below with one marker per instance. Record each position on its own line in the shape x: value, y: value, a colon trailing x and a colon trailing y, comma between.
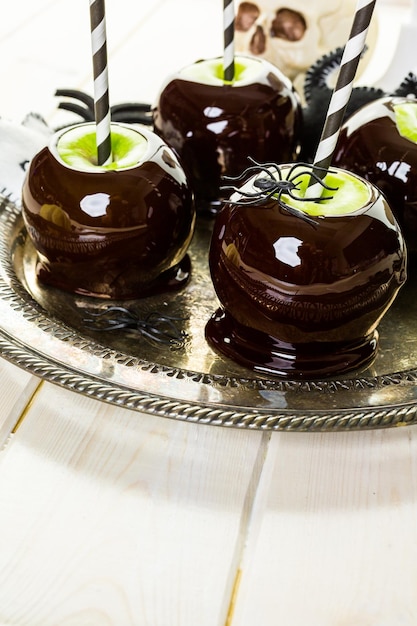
x: 42, y: 331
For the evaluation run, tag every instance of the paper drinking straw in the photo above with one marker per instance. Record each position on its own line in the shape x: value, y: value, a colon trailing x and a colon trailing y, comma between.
x: 341, y: 93
x: 101, y: 82
x: 229, y: 40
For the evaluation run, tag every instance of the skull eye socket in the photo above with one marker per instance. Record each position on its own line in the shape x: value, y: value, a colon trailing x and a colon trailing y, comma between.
x: 288, y: 24
x: 246, y: 16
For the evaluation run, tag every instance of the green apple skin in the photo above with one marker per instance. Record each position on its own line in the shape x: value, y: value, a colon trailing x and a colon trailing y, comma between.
x: 343, y: 193
x: 214, y: 126
x: 77, y: 147
x: 303, y: 300
x: 406, y: 119
x: 116, y: 232
x: 210, y: 72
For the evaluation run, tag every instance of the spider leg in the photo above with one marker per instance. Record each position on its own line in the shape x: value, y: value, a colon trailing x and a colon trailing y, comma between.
x: 311, y: 171
x: 248, y: 202
x: 310, y: 166
x: 86, y: 114
x: 253, y: 199
x: 264, y: 167
x: 271, y: 193
x: 297, y: 212
x: 77, y: 95
x: 317, y: 178
x: 153, y: 333
x: 305, y: 199
x: 265, y: 195
x: 241, y: 176
x: 292, y: 168
x: 111, y: 325
x: 246, y: 194
x: 84, y: 105
x: 246, y: 172
x: 167, y: 325
x: 257, y: 168
x: 115, y: 309
x: 318, y: 199
x: 132, y: 112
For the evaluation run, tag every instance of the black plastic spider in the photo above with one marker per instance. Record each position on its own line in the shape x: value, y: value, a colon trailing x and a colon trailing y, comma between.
x: 273, y: 185
x: 83, y: 105
x: 153, y: 326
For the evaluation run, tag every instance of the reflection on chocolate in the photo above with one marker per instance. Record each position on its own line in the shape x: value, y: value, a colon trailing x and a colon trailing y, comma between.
x: 298, y: 300
x: 114, y: 234
x: 371, y: 145
x: 214, y: 128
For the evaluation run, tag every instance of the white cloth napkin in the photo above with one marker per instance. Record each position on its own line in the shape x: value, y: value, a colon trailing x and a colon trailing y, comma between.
x: 18, y: 144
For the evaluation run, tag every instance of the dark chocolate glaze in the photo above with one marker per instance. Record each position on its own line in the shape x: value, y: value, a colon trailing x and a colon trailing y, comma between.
x: 371, y: 145
x: 135, y: 248
x: 215, y: 128
x: 298, y: 300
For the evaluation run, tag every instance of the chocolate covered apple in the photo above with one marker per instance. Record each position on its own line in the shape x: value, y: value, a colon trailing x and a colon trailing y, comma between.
x: 214, y: 126
x: 379, y: 142
x: 303, y: 283
x: 113, y: 231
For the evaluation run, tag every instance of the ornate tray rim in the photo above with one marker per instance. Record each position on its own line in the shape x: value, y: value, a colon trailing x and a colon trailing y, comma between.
x: 15, y: 346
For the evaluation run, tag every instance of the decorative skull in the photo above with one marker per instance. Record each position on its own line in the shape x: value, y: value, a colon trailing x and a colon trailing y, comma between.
x: 294, y: 35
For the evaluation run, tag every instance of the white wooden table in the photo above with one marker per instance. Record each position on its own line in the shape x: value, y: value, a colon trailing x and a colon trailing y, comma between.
x: 112, y: 517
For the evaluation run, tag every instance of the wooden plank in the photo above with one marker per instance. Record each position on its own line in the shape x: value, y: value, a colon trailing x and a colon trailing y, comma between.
x: 113, y: 517
x: 333, y: 538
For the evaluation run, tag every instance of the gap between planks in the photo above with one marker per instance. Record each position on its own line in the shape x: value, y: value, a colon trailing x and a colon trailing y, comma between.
x: 19, y: 411
x: 254, y: 501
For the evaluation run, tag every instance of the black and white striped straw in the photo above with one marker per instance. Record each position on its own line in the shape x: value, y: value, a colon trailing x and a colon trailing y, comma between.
x: 229, y: 40
x: 341, y: 93
x: 101, y: 81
